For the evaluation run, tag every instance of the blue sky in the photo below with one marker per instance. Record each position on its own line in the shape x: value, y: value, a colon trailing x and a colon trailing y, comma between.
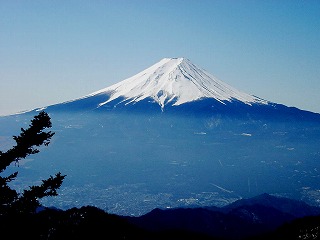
x: 54, y: 51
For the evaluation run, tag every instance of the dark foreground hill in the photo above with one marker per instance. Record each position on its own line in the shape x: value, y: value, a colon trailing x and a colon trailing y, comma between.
x: 241, y: 219
x: 252, y: 218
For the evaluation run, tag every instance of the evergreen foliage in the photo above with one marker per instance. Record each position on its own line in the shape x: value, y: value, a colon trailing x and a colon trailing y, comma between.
x: 27, y: 143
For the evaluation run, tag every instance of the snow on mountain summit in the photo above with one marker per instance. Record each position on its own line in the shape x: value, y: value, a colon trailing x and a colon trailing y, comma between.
x: 175, y: 81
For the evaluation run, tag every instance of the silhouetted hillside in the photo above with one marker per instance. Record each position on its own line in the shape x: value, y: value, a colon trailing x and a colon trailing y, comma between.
x: 241, y: 219
x: 257, y: 218
x: 83, y: 223
x: 293, y: 207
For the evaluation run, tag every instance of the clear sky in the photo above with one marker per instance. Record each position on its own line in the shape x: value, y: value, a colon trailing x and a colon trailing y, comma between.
x: 53, y: 51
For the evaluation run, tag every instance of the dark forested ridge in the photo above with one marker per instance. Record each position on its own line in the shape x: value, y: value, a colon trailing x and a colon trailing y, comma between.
x: 245, y: 221
x: 240, y: 220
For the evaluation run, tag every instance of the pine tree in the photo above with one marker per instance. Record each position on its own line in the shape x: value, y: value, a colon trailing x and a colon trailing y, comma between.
x: 27, y: 143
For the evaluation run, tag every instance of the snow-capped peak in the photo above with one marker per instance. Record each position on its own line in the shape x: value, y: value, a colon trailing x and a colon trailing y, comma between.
x: 175, y: 81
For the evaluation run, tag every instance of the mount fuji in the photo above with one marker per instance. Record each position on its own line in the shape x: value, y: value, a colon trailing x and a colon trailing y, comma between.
x: 177, y: 85
x: 172, y: 135
x: 174, y: 81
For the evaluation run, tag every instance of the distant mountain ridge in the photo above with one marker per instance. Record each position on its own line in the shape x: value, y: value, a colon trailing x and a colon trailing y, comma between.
x: 293, y: 207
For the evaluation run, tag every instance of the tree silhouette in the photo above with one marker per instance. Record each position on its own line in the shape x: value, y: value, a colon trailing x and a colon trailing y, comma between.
x: 27, y: 143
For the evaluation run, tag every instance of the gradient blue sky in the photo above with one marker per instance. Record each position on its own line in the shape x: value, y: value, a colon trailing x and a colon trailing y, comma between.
x: 54, y: 51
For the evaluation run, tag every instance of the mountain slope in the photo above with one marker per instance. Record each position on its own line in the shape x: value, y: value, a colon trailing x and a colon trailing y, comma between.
x: 170, y: 82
